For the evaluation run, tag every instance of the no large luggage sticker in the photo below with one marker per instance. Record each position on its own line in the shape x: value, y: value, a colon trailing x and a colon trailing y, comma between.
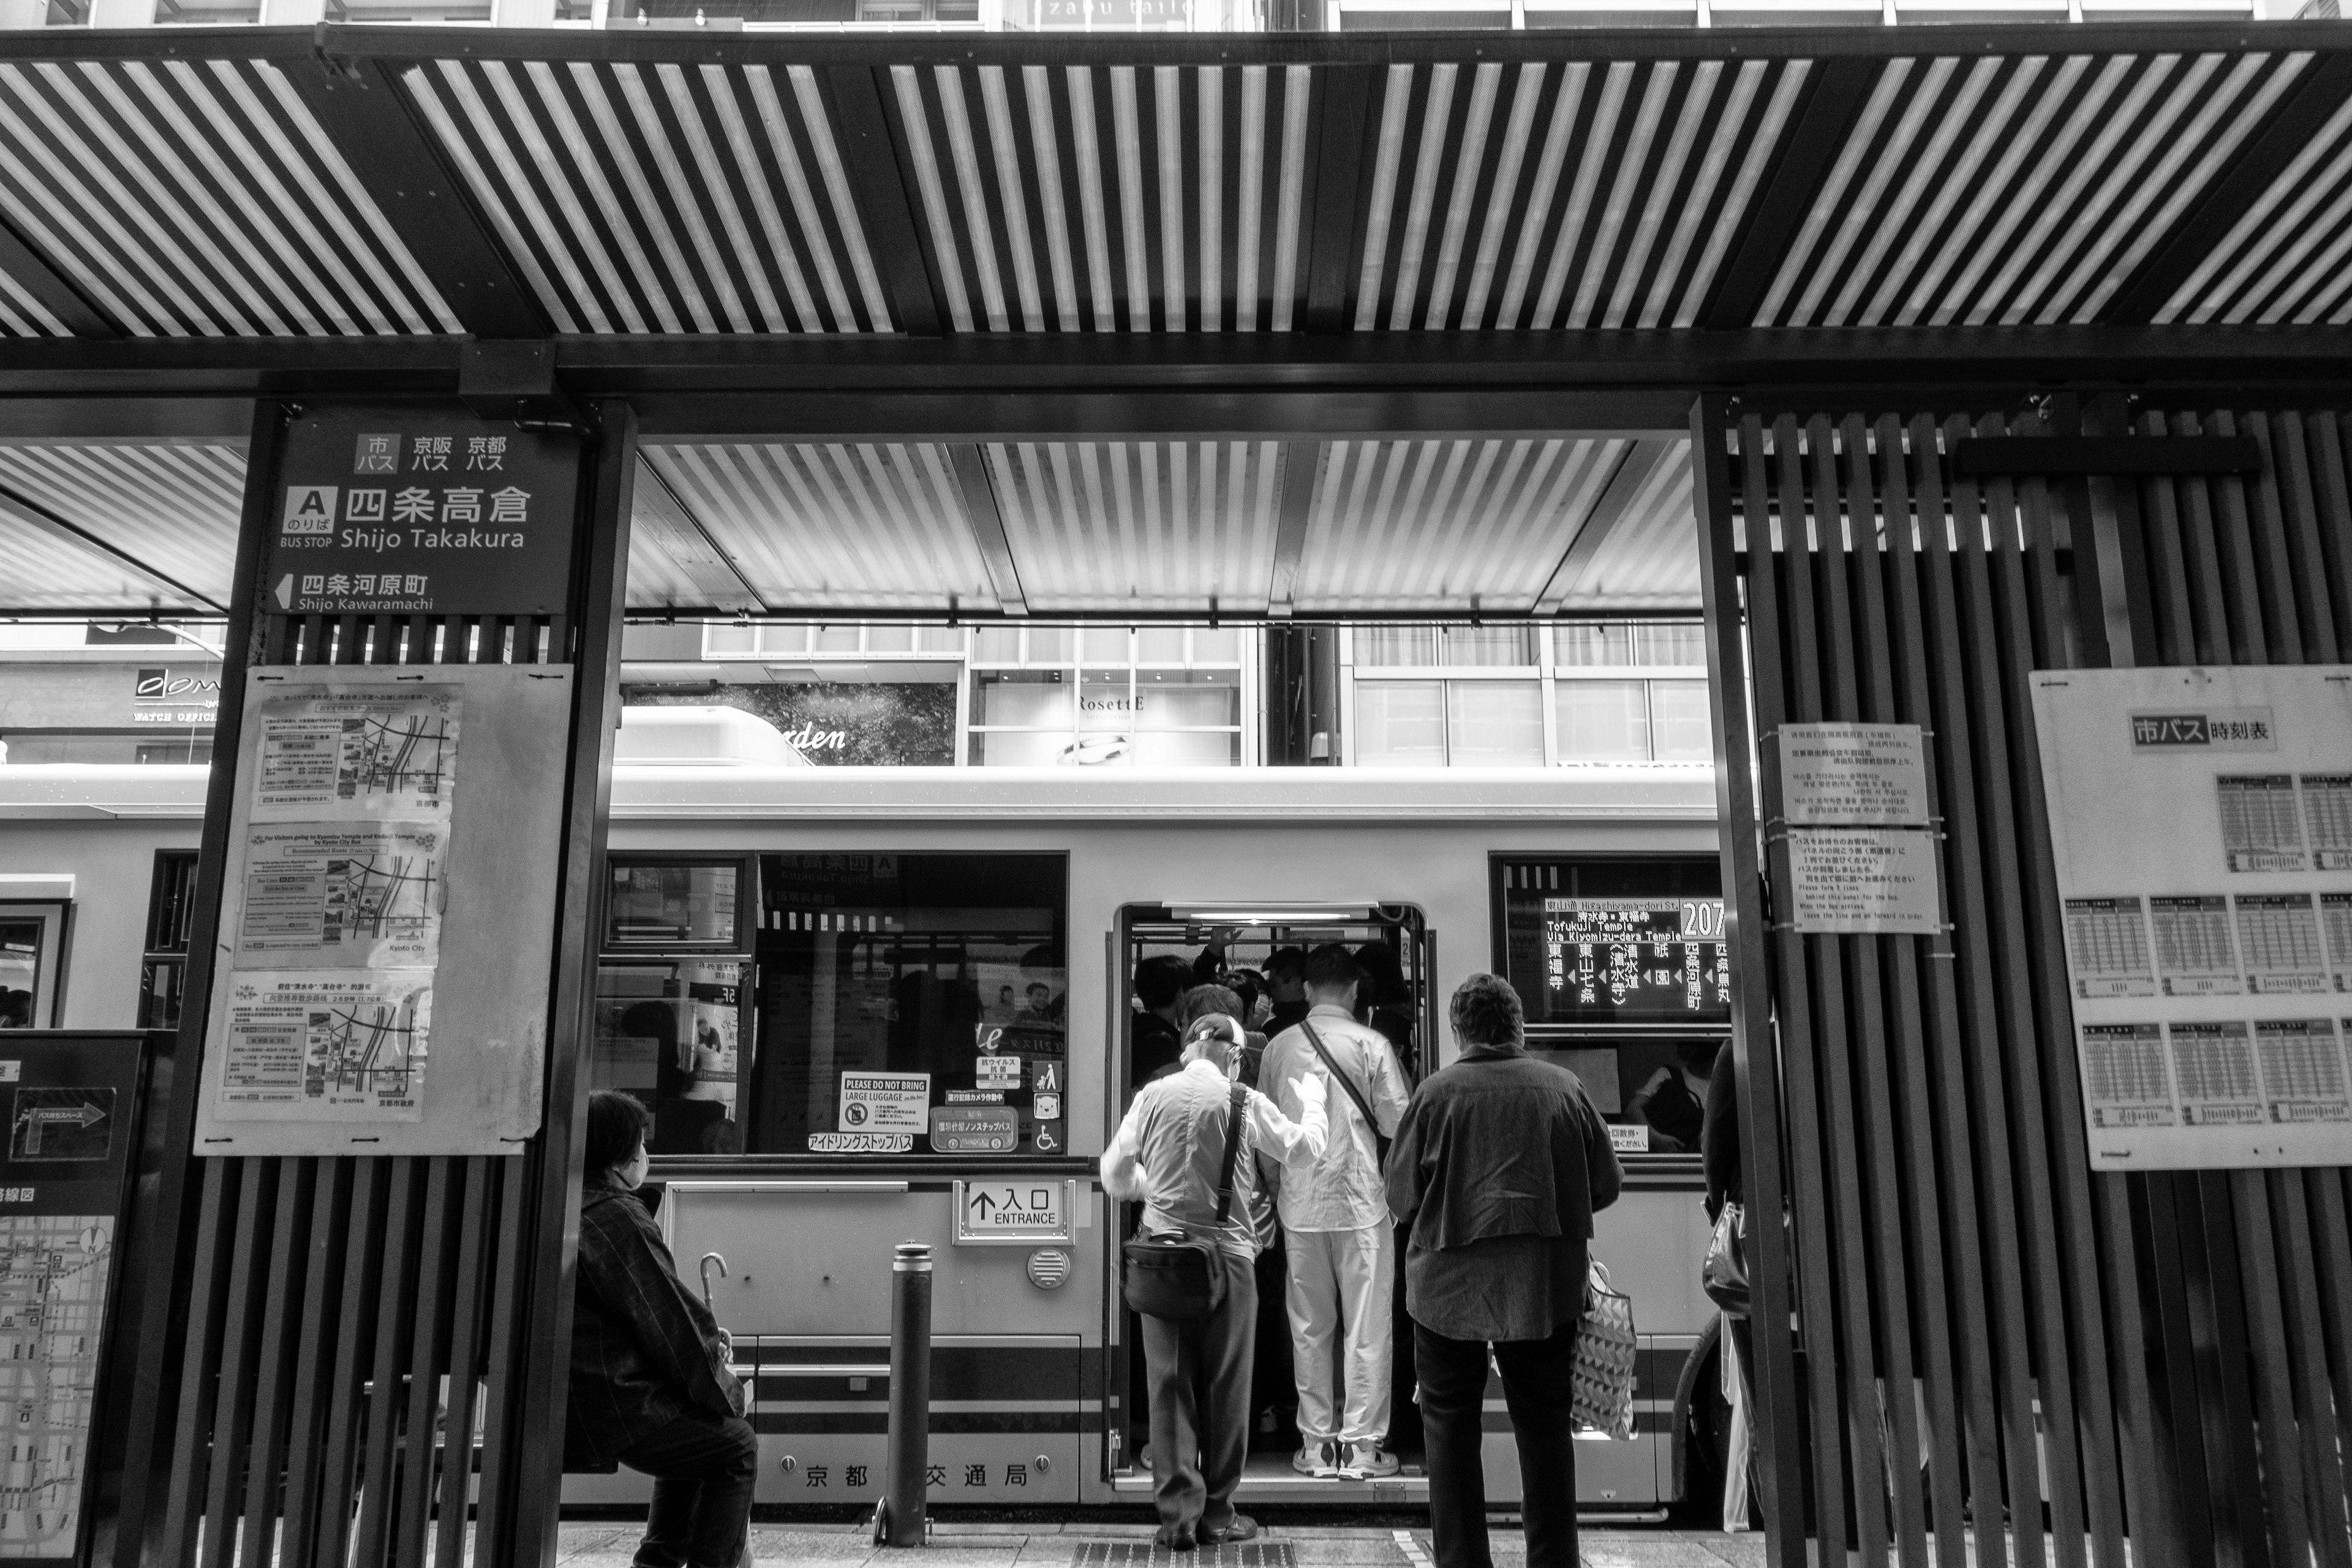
x: 886, y: 1103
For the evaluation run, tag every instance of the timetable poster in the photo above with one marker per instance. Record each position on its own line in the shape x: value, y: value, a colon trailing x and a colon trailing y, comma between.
x: 2201, y: 824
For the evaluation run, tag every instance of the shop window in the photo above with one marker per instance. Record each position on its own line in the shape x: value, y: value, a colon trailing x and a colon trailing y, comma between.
x: 32, y: 953
x: 1681, y: 728
x: 171, y: 911
x: 1494, y: 724
x: 911, y: 1005
x: 1096, y: 696
x: 176, y: 753
x: 1603, y: 721
x: 199, y: 12
x: 1400, y: 723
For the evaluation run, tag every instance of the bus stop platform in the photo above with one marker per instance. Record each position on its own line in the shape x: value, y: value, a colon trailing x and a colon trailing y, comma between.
x: 1083, y: 1544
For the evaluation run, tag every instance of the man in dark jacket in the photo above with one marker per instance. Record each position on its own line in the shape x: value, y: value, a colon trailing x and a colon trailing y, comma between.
x: 650, y: 1384
x: 1496, y: 1167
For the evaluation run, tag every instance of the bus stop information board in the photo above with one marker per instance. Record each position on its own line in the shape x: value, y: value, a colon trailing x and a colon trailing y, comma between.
x: 398, y: 512
x: 2201, y: 821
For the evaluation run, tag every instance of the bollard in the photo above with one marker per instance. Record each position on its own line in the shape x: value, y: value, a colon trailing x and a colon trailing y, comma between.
x: 901, y: 1518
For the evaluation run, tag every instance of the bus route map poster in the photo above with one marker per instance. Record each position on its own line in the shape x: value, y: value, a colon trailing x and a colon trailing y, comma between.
x: 2201, y: 825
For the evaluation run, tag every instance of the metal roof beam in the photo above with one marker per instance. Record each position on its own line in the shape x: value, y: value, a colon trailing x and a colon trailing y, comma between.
x: 662, y: 521
x: 366, y: 115
x: 2292, y: 123
x: 59, y: 296
x: 1610, y: 513
x: 979, y: 510
x: 1832, y: 101
x: 1337, y: 172
x: 40, y: 517
x: 1302, y: 471
x: 881, y: 182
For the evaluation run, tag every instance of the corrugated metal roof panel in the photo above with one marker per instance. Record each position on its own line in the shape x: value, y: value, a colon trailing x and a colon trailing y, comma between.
x: 1144, y: 525
x: 1407, y: 525
x: 50, y: 571
x: 1650, y: 560
x: 876, y: 525
x: 2283, y: 262
x: 661, y: 198
x: 171, y: 505
x: 199, y: 198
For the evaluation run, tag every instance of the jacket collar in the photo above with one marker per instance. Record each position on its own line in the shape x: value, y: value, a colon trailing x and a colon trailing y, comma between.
x: 1330, y: 1010
x: 1492, y: 1053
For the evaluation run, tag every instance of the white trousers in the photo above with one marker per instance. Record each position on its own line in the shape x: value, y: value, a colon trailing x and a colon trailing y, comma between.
x: 1341, y: 1287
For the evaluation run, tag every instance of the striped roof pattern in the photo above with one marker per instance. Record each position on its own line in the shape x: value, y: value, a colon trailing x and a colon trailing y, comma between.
x: 2015, y: 189
x: 169, y: 511
x: 196, y: 198
x: 1146, y: 525
x: 2284, y: 260
x: 661, y: 198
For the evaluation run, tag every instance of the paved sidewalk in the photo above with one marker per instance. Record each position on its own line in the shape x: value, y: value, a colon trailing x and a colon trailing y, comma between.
x: 609, y: 1546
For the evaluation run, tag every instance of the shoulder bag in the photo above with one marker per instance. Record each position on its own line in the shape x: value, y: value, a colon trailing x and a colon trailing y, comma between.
x: 1601, y: 1376
x: 1355, y: 1096
x: 1169, y: 1273
x: 1725, y: 1274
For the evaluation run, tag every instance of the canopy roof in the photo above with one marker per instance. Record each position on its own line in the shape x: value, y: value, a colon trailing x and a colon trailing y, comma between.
x: 1107, y: 325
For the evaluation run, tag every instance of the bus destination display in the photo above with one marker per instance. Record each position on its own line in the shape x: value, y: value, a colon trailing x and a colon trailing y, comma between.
x: 1634, y: 960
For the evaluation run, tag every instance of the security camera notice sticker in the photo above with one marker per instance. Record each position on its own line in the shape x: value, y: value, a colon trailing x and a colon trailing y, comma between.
x: 886, y: 1103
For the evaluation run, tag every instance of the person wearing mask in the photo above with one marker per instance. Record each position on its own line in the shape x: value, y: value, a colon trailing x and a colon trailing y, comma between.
x: 1336, y: 1228
x: 1158, y: 1025
x: 1169, y: 1154
x: 650, y: 1386
x: 1498, y: 1164
x: 1286, y: 984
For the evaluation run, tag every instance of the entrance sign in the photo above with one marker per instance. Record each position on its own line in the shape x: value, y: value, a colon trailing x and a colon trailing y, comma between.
x: 1853, y: 775
x: 2202, y: 825
x: 1013, y: 1211
x: 387, y: 933
x: 399, y: 512
x: 1867, y: 880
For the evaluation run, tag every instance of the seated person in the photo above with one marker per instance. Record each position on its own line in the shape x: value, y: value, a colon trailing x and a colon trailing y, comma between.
x: 650, y: 1384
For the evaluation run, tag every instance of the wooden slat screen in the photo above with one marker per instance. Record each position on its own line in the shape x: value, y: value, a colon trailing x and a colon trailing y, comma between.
x: 1983, y: 1324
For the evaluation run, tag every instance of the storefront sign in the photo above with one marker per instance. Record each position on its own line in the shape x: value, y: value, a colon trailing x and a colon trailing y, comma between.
x: 1013, y: 1210
x: 161, y: 695
x: 1853, y: 774
x: 391, y: 511
x: 2201, y: 825
x: 1864, y: 880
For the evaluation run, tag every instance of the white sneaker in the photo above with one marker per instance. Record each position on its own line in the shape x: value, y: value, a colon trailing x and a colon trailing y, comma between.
x: 1317, y: 1459
x: 1369, y: 1462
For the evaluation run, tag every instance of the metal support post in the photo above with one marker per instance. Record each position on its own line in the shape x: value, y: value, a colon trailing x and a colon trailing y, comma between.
x: 900, y: 1519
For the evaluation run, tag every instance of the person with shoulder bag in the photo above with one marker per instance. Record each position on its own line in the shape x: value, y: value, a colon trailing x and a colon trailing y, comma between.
x: 1188, y: 1152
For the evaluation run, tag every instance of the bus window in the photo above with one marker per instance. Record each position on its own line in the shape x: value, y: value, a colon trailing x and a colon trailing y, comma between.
x: 912, y: 1005
x: 669, y: 1034
x: 669, y: 903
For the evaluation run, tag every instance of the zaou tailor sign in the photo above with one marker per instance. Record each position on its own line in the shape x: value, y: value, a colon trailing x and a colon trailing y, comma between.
x: 399, y: 511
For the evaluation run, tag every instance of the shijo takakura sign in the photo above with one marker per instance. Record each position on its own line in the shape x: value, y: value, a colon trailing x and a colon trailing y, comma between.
x: 395, y: 512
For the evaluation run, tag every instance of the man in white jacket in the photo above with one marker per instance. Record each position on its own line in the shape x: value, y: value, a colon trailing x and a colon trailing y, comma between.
x: 1168, y: 1155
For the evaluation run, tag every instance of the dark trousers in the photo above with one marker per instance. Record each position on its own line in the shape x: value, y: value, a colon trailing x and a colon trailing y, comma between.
x: 703, y: 1467
x: 1536, y: 1385
x: 1199, y: 1376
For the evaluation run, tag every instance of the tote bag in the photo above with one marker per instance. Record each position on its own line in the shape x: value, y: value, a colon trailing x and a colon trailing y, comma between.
x: 1602, y: 1374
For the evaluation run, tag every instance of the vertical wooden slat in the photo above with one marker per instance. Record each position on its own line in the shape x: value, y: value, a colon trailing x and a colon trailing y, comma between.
x: 347, y: 1409
x: 1781, y: 1457
x: 207, y: 1288
x: 2190, y: 511
x: 465, y: 1355
x: 381, y: 1471
x: 2274, y: 591
x: 2171, y: 591
x: 1890, y: 603
x: 494, y: 1519
x: 2315, y: 1417
x: 431, y: 1311
x: 281, y: 1329
x: 2299, y: 522
x: 2233, y: 532
x: 2226, y: 1364
x: 314, y: 1372
x: 2331, y: 535
x: 2282, y: 1467
x: 241, y: 1326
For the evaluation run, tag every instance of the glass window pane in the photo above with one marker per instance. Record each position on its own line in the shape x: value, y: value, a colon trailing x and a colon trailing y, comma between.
x: 1219, y: 645
x: 1400, y: 724
x: 1604, y: 721
x: 1160, y: 645
x: 671, y: 904
x: 1592, y: 645
x: 996, y: 644
x: 1050, y: 645
x: 1180, y: 699
x: 939, y: 639
x: 670, y: 1034
x: 942, y: 975
x: 1396, y: 645
x: 1679, y: 721
x: 1490, y: 645
x: 20, y: 971
x: 835, y: 639
x: 1680, y: 642
x: 1105, y: 700
x: 1189, y: 748
x: 1018, y: 748
x: 791, y: 639
x: 889, y: 640
x: 730, y: 639
x: 1103, y: 645
x: 1495, y: 724
x: 1030, y: 697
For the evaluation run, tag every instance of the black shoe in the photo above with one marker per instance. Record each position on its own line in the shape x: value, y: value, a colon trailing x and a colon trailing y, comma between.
x: 1177, y: 1538
x: 1243, y: 1528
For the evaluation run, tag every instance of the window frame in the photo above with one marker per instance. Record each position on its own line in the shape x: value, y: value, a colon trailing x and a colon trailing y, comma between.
x: 55, y: 916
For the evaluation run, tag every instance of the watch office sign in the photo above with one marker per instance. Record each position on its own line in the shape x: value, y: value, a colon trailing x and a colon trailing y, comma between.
x: 394, y: 512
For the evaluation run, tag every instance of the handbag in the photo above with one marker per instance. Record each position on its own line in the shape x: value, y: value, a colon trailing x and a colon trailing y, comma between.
x: 1170, y: 1275
x: 1723, y: 1276
x: 1355, y: 1096
x: 1600, y: 1374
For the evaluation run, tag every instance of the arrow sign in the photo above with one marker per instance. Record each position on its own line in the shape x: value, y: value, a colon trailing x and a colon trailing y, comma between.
x: 37, y: 1118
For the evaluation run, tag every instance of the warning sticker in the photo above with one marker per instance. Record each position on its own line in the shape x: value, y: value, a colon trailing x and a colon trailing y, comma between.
x: 996, y: 1072
x: 885, y: 1102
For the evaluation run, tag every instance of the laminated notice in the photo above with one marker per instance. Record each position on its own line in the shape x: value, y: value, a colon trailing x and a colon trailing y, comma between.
x: 366, y: 895
x: 326, y: 1046
x: 370, y: 754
